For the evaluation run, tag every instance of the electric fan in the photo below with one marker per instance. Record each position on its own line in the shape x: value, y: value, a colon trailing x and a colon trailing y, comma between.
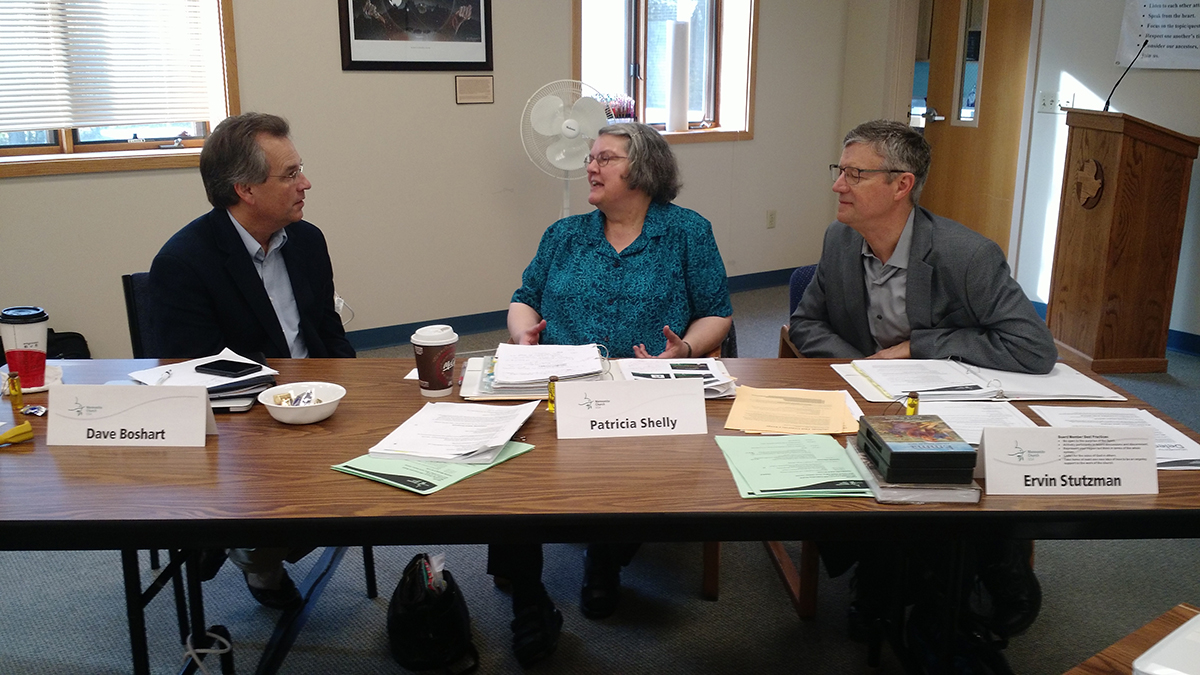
x: 558, y: 125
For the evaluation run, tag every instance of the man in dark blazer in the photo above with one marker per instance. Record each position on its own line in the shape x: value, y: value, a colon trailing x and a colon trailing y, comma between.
x: 896, y: 281
x: 252, y: 276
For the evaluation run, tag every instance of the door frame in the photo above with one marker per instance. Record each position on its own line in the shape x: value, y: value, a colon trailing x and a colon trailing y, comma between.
x: 898, y: 81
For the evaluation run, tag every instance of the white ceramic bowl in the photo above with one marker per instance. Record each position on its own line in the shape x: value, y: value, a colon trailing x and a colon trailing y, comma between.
x: 329, y: 393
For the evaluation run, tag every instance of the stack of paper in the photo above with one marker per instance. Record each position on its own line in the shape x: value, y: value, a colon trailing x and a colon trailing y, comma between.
x: 717, y: 381
x: 422, y: 476
x: 791, y: 466
x: 909, y: 493
x: 1174, y: 449
x: 184, y: 375
x: 943, y: 380
x: 527, y: 364
x: 471, y: 433
x: 793, y: 411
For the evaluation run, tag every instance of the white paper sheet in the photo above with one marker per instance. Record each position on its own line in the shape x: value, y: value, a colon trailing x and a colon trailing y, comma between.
x: 1174, y: 449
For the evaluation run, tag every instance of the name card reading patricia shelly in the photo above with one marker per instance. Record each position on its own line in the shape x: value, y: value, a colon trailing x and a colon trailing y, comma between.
x: 127, y: 415
x: 630, y: 408
x: 1070, y: 460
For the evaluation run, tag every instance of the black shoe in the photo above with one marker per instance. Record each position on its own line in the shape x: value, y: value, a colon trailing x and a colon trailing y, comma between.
x: 536, y: 626
x: 861, y: 623
x: 601, y: 591
x: 284, y: 597
x: 209, y: 562
x: 866, y: 605
x: 1016, y: 595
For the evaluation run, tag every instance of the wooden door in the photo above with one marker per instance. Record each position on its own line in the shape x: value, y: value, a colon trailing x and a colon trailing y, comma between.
x: 974, y: 172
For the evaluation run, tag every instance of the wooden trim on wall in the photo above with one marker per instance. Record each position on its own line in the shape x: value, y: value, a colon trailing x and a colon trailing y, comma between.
x: 67, y: 158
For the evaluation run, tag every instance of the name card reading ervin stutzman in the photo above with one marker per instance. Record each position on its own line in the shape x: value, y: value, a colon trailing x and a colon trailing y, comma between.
x: 1070, y: 460
x: 82, y: 414
x: 630, y: 408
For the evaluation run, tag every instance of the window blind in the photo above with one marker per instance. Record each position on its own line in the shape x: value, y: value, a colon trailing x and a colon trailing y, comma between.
x: 84, y: 63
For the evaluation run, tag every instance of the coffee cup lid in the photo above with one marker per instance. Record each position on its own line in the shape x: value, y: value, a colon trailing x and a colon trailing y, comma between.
x: 434, y: 336
x: 23, y: 314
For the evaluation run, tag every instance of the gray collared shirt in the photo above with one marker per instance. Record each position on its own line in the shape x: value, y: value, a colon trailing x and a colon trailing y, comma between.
x: 886, y: 290
x: 272, y: 269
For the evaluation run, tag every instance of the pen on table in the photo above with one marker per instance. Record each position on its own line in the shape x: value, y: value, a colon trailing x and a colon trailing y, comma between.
x: 164, y: 377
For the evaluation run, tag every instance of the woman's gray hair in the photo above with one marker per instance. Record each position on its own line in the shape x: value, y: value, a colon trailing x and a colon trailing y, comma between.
x: 901, y: 147
x: 232, y: 155
x: 652, y: 165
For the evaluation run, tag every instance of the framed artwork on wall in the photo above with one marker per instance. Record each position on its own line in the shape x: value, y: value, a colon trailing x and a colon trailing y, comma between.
x: 416, y: 34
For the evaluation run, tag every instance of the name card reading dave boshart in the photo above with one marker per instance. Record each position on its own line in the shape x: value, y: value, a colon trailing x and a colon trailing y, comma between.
x: 629, y: 408
x: 1070, y: 461
x: 93, y: 414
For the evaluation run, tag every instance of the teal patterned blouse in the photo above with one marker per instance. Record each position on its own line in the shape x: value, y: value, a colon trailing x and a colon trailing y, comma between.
x: 671, y: 275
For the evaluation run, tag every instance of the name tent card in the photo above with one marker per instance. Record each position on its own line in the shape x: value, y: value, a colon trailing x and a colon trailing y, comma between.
x: 1070, y: 461
x: 608, y: 409
x: 90, y: 414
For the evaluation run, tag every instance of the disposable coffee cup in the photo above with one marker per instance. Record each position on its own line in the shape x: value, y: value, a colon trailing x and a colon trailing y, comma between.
x: 23, y: 331
x: 434, y: 348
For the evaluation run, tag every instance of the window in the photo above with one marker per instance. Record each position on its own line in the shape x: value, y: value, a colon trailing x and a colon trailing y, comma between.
x: 111, y: 85
x: 625, y: 48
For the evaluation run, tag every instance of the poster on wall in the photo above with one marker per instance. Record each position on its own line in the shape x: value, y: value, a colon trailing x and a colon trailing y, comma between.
x: 416, y: 34
x: 1172, y: 29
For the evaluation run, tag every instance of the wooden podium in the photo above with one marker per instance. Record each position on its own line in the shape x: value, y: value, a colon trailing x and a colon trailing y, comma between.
x: 1120, y: 223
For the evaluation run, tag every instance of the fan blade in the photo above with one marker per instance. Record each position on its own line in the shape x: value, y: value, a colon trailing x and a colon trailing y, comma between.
x: 568, y: 153
x: 588, y: 113
x: 546, y: 118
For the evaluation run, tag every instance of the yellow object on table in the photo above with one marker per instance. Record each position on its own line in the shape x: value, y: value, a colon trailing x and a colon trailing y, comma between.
x: 18, y: 434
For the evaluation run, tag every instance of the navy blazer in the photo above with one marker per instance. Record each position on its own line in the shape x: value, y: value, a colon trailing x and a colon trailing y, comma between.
x: 961, y: 302
x: 207, y: 295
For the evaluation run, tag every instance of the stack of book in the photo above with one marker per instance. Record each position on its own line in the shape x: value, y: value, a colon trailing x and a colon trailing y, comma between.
x: 916, y: 449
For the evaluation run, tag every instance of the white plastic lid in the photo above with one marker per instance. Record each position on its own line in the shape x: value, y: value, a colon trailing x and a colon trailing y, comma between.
x: 434, y: 336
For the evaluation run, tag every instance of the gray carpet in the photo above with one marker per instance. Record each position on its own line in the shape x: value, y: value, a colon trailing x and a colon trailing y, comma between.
x: 63, y: 612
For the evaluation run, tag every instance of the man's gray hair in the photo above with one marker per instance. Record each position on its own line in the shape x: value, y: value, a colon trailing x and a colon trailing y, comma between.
x: 652, y: 165
x: 232, y: 155
x: 901, y: 147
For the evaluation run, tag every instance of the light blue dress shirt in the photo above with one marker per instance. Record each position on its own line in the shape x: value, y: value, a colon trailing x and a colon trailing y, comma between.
x: 887, y: 286
x: 272, y: 269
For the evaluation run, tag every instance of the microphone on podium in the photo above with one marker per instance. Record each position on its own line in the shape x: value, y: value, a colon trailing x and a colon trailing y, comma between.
x: 1114, y: 89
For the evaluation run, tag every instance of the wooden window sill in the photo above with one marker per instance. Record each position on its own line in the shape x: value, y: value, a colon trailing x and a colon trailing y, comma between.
x: 706, y: 136
x: 96, y: 162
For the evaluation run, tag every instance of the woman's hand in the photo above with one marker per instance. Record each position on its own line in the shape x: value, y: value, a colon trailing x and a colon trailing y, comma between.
x: 525, y: 325
x: 676, y: 347
x: 533, y: 335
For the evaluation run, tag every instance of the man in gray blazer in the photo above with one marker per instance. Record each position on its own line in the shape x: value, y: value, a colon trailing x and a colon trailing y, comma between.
x: 897, y: 282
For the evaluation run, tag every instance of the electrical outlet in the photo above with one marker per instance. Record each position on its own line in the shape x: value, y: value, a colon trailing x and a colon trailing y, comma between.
x: 1051, y: 101
x: 771, y: 219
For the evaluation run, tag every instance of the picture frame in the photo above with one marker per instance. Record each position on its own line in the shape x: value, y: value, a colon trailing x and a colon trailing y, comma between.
x: 416, y: 34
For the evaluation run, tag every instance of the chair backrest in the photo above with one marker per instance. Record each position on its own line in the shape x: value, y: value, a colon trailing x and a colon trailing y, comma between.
x: 138, y: 311
x: 801, y: 277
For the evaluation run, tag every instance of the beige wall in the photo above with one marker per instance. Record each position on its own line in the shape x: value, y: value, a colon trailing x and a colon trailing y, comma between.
x: 432, y: 209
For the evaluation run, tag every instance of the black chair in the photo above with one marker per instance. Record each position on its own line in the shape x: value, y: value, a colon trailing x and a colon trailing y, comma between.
x: 138, y: 312
x: 142, y: 336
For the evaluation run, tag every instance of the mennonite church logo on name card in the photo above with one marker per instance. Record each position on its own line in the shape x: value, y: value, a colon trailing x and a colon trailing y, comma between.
x: 83, y: 414
x: 630, y: 408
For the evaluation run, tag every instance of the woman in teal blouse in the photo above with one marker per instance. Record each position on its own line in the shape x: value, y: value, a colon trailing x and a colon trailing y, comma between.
x: 640, y: 276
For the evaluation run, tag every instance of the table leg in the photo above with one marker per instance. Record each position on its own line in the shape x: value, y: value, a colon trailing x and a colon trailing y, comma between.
x: 134, y: 611
x: 294, y: 619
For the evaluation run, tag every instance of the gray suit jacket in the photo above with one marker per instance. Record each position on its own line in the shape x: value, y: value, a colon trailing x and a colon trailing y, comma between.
x: 961, y: 302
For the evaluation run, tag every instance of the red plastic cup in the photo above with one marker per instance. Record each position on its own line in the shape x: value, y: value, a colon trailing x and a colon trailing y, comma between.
x: 23, y: 331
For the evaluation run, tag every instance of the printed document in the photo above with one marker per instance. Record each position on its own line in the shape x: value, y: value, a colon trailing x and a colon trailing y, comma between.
x: 517, y: 364
x: 793, y: 411
x: 968, y: 418
x: 419, y: 475
x: 184, y: 374
x: 1174, y: 450
x: 455, y: 432
x: 882, y: 380
x: 791, y: 466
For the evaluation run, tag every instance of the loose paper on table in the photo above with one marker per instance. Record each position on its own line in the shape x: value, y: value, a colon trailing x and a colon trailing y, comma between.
x: 883, y: 380
x: 422, y: 476
x: 1173, y: 449
x: 791, y: 466
x: 455, y: 432
x: 968, y: 418
x: 717, y: 381
x: 793, y: 411
x: 184, y: 374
